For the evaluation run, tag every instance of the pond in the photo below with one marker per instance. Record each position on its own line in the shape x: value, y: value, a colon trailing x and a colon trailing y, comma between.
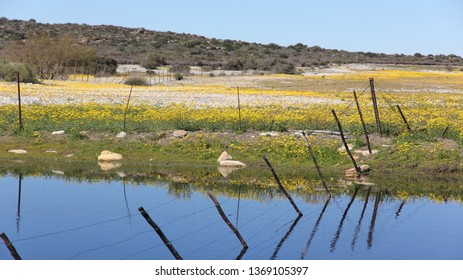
x: 56, y: 218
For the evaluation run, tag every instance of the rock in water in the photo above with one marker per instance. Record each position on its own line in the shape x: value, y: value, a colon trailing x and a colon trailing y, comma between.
x: 232, y: 163
x: 224, y: 156
x: 109, y: 156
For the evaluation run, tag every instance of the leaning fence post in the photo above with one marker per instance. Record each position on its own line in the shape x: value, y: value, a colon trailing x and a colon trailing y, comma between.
x: 281, y: 186
x: 320, y: 175
x: 367, y: 139
x: 445, y: 131
x: 10, y: 246
x: 160, y: 233
x: 344, y: 141
x: 226, y: 220
x: 19, y: 104
x: 403, y: 118
x: 375, y: 106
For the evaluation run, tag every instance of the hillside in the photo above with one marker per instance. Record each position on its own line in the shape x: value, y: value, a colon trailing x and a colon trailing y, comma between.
x: 137, y: 45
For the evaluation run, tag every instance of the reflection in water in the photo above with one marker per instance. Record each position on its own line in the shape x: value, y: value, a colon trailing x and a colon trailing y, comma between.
x: 129, y: 215
x: 103, y: 226
x: 315, y: 228
x: 397, y: 214
x: 357, y: 228
x: 285, y: 237
x: 344, y: 215
x: 238, y: 207
x: 18, y: 212
x: 373, y: 221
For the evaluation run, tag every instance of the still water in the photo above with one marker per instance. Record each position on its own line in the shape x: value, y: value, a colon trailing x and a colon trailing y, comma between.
x: 52, y: 218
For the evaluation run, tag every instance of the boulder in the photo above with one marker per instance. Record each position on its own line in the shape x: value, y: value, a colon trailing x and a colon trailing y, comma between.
x: 109, y: 156
x: 224, y: 156
x: 84, y: 134
x: 17, y: 151
x: 180, y: 133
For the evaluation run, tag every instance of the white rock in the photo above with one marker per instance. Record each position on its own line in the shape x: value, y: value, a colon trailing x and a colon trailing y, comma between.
x: 224, y: 156
x: 57, y: 132
x: 109, y: 156
x: 69, y: 155
x: 59, y: 172
x: 180, y: 133
x: 17, y: 151
x: 121, y: 134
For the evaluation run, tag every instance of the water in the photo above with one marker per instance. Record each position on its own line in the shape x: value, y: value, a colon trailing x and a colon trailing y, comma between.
x: 52, y: 218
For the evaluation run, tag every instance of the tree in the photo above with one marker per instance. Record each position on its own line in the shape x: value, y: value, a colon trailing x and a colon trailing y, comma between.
x: 51, y: 56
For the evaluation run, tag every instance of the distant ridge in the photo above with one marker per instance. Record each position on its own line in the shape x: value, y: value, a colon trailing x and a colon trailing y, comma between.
x: 135, y: 45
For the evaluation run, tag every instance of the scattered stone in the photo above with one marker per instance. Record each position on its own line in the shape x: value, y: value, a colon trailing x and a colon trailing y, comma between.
x: 270, y: 134
x: 84, y: 134
x: 109, y: 156
x: 108, y: 165
x: 51, y: 151
x: 342, y: 149
x: 69, y: 155
x: 366, y: 153
x: 224, y: 156
x: 59, y: 172
x: 121, y: 134
x: 180, y: 133
x: 352, y: 172
x: 57, y: 132
x: 17, y: 151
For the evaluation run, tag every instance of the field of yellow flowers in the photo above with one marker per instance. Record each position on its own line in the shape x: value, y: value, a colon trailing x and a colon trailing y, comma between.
x: 431, y: 102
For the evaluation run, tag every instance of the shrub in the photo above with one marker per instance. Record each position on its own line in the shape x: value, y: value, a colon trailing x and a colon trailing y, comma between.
x: 136, y: 81
x: 9, y: 72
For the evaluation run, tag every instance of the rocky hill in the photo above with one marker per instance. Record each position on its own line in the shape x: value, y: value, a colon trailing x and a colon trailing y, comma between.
x: 141, y: 46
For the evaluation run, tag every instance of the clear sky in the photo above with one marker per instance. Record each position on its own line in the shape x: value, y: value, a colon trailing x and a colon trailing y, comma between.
x: 388, y: 26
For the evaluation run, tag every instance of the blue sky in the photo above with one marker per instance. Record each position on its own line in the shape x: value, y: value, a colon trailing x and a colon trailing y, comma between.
x: 388, y: 26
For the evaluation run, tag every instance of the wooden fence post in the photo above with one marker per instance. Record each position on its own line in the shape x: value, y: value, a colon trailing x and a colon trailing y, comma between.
x: 226, y: 220
x: 19, y: 105
x: 160, y: 233
x: 375, y: 106
x: 344, y: 141
x: 320, y: 175
x: 127, y: 107
x: 403, y: 118
x: 281, y: 186
x: 10, y: 246
x: 367, y: 139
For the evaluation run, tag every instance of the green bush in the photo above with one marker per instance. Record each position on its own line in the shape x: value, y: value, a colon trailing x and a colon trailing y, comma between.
x: 136, y: 81
x: 9, y: 72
